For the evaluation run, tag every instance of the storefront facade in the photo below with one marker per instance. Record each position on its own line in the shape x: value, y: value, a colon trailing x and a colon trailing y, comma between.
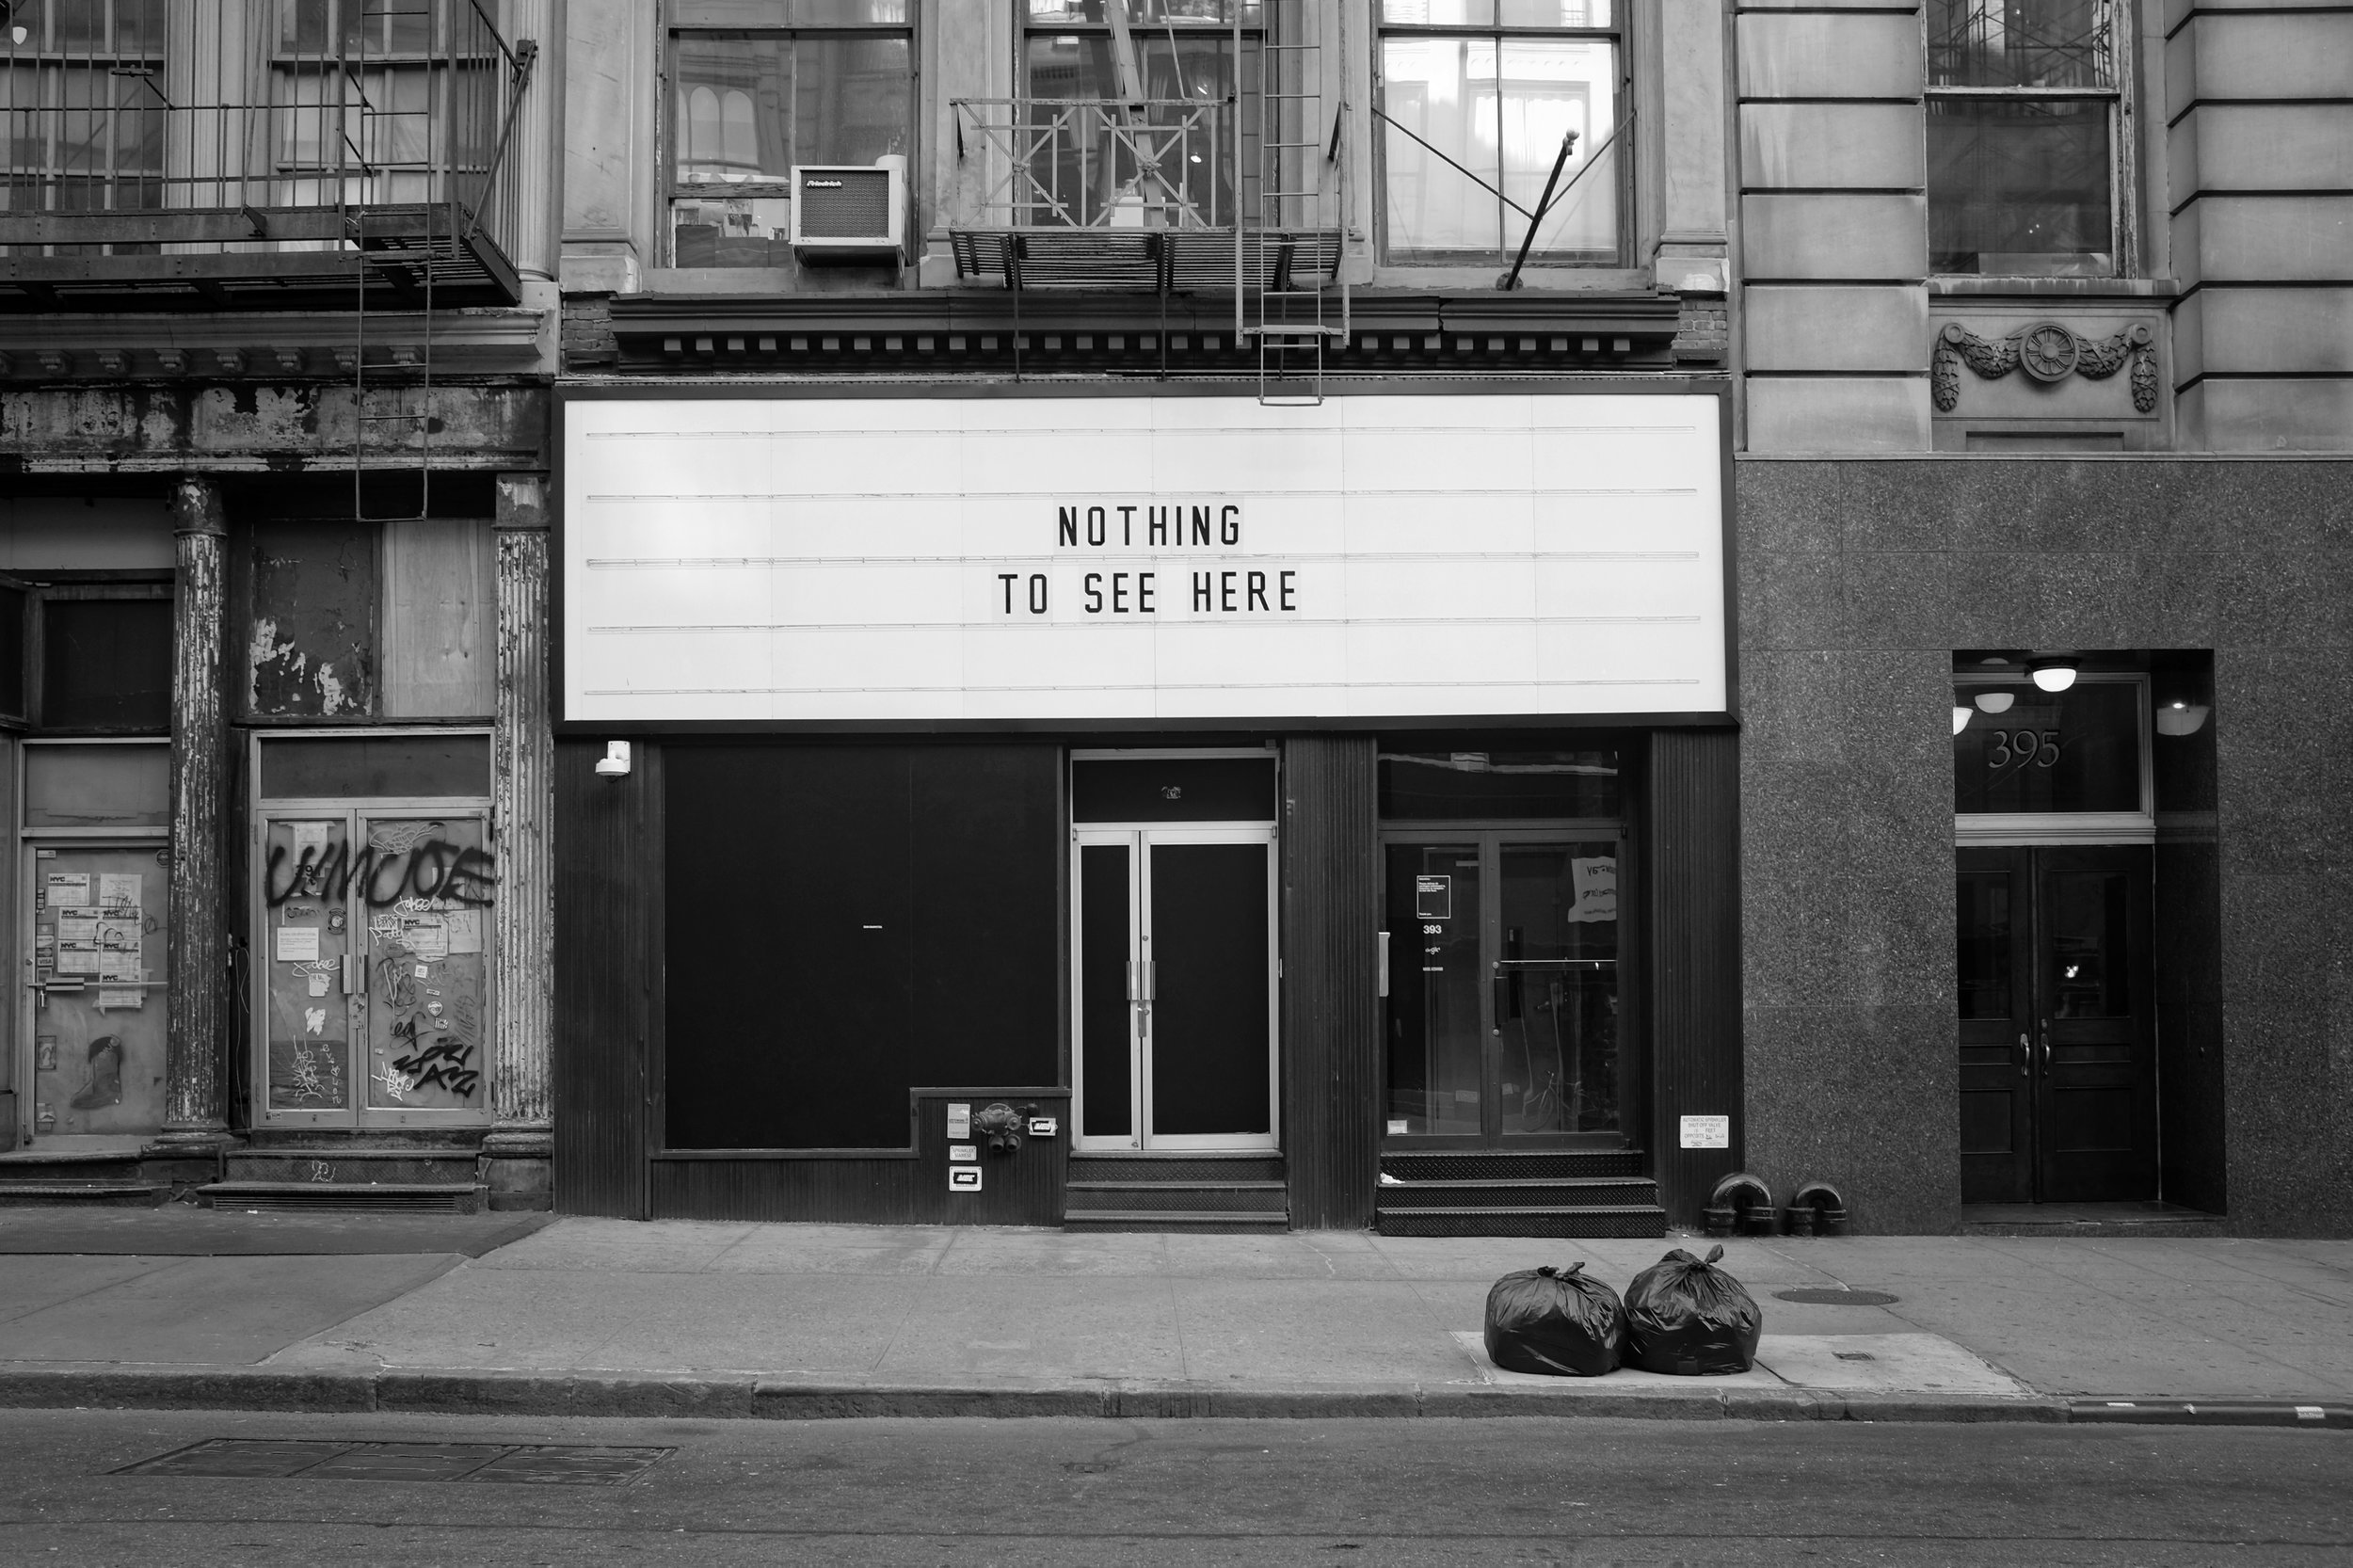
x: 1255, y: 801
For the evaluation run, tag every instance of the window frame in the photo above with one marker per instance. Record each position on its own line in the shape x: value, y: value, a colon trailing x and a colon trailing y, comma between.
x: 41, y: 588
x: 2123, y: 152
x: 1620, y: 35
x: 670, y: 188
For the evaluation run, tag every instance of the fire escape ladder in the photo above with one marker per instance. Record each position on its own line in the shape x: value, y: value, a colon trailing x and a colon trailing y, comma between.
x: 1289, y: 261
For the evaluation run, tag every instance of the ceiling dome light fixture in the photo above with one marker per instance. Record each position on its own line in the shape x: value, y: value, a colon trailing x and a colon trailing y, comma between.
x: 1961, y: 716
x: 2181, y: 718
x: 2053, y: 672
x: 1995, y: 702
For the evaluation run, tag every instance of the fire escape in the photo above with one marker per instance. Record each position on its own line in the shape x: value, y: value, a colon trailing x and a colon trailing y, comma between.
x: 338, y: 156
x: 1243, y: 194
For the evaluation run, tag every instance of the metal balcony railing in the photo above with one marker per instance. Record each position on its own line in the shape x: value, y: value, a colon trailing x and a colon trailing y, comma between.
x: 251, y: 151
x: 1105, y: 193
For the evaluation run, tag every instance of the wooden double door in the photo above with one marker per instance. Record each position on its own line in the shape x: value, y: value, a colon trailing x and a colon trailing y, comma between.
x: 2057, y: 1025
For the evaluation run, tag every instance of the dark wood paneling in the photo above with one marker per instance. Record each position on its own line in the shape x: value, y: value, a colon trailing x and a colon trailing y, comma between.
x: 1331, y: 979
x: 1019, y: 1187
x: 605, y: 902
x: 1690, y: 836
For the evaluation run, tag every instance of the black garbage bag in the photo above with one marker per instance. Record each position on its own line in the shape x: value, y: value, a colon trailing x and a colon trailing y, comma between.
x: 1556, y: 1322
x: 1689, y: 1317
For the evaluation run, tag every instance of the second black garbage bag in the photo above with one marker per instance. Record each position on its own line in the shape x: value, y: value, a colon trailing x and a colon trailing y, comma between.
x: 1686, y: 1316
x: 1555, y: 1322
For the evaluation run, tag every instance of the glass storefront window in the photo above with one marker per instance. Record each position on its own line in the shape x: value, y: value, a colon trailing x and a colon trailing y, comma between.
x: 2026, y: 750
x: 1472, y: 786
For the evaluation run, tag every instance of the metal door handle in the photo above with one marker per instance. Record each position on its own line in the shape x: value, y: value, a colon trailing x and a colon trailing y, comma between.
x: 2026, y: 1056
x: 2046, y: 1045
x: 1384, y: 964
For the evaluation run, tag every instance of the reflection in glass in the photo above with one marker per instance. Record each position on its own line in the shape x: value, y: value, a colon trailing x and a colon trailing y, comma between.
x: 1092, y: 174
x: 1463, y: 785
x: 1498, y: 108
x: 1983, y: 925
x: 1557, y: 992
x: 2020, y: 43
x: 2089, y: 972
x: 1436, y: 1046
x: 2020, y: 187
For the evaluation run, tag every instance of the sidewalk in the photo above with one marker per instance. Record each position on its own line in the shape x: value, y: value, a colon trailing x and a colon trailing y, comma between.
x: 594, y: 1317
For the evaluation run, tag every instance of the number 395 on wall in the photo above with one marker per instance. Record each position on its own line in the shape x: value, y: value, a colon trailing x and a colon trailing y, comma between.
x: 2040, y: 748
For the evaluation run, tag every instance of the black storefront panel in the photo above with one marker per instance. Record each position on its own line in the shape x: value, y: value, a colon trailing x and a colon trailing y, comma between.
x: 843, y: 924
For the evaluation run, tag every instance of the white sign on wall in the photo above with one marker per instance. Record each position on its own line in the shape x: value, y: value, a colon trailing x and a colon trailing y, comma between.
x: 1142, y: 558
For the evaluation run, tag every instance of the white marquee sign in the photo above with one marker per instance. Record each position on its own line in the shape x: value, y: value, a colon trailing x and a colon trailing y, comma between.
x: 1034, y: 558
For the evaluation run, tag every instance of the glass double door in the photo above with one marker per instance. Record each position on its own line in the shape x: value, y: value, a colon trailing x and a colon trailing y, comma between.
x: 2057, y: 1043
x: 1173, y: 973
x: 371, y: 967
x: 1504, y: 1023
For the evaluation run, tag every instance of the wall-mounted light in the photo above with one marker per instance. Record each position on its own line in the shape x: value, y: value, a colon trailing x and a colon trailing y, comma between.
x: 614, y: 763
x: 2053, y: 672
x: 1961, y: 716
x: 2181, y: 718
x: 1995, y: 702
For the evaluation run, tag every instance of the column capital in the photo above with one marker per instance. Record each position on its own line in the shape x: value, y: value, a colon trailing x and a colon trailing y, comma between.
x: 196, y: 507
x: 522, y: 504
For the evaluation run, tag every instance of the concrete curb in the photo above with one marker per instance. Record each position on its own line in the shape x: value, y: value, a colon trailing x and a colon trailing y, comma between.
x: 749, y: 1397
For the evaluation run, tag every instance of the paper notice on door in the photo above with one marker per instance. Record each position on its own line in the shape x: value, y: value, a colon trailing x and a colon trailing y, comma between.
x: 119, y: 890
x: 465, y: 930
x: 298, y: 944
x: 310, y: 842
x: 425, y: 936
x: 115, y: 964
x: 66, y: 888
x: 1596, y: 885
x: 130, y: 996
x: 77, y: 940
x: 318, y: 986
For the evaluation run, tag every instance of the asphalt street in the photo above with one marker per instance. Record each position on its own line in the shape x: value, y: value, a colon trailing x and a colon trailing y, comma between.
x: 1069, y: 1492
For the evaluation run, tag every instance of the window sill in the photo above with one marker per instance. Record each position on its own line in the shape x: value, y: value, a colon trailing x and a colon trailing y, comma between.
x: 1965, y: 287
x: 1535, y: 280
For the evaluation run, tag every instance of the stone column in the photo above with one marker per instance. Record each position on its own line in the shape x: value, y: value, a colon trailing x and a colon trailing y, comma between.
x: 518, y: 1155
x: 197, y: 1033
x: 534, y: 157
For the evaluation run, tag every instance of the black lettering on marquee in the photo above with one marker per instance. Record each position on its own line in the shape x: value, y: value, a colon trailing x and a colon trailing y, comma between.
x: 1095, y: 593
x: 1229, y: 525
x: 1066, y: 518
x: 1037, y: 593
x: 1095, y: 526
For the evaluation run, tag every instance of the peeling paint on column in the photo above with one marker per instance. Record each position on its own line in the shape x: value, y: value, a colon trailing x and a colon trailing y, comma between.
x: 522, y: 784
x: 197, y: 1029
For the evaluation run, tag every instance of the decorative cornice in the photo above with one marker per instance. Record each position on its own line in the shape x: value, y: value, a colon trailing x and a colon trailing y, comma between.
x: 2047, y: 352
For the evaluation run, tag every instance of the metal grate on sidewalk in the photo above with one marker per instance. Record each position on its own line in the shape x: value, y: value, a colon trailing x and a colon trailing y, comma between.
x: 299, y: 1459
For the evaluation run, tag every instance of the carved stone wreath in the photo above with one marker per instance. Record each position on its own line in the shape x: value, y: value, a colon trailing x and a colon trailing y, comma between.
x: 2046, y: 351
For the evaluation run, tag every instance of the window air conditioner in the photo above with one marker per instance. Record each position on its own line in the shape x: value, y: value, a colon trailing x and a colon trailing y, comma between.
x: 849, y: 212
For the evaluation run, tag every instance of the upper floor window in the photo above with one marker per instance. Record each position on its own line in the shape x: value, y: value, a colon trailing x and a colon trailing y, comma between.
x: 2025, y: 158
x: 81, y: 95
x: 1177, y: 53
x: 1476, y: 97
x: 758, y: 86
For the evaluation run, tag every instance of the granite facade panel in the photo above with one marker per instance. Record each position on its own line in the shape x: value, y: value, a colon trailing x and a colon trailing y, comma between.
x: 1861, y: 577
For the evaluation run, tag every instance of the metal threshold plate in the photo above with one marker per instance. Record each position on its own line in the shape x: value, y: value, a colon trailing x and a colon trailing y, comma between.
x: 1811, y: 1297
x: 515, y: 1463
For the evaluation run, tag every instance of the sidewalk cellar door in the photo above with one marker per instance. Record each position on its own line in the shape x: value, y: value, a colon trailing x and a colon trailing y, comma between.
x: 2056, y: 987
x: 1173, y: 961
x: 1503, y: 971
x: 370, y: 922
x: 92, y: 903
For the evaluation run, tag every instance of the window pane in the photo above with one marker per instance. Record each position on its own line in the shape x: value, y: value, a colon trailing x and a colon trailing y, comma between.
x: 2038, y: 44
x: 788, y: 13
x: 2026, y: 749
x: 850, y: 100
x: 1550, y: 86
x: 1469, y: 786
x: 2020, y: 188
x: 1500, y: 113
x: 1556, y: 13
x: 732, y: 119
x: 1146, y: 13
x: 107, y: 664
x: 1983, y: 925
x: 1086, y: 168
x: 1441, y: 14
x: 1442, y: 91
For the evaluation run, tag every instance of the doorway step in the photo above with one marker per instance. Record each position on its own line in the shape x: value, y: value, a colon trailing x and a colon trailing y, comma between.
x: 29, y: 1178
x: 1567, y: 1193
x: 1172, y: 1191
x: 309, y: 1171
x: 2162, y: 1220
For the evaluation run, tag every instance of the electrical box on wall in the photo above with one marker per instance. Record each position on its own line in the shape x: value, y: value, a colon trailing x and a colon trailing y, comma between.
x: 849, y: 212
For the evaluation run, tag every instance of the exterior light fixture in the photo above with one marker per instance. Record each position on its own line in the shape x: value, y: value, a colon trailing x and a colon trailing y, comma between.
x: 2053, y: 672
x: 615, y: 763
x: 2181, y: 718
x: 1961, y: 716
x: 1995, y: 702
